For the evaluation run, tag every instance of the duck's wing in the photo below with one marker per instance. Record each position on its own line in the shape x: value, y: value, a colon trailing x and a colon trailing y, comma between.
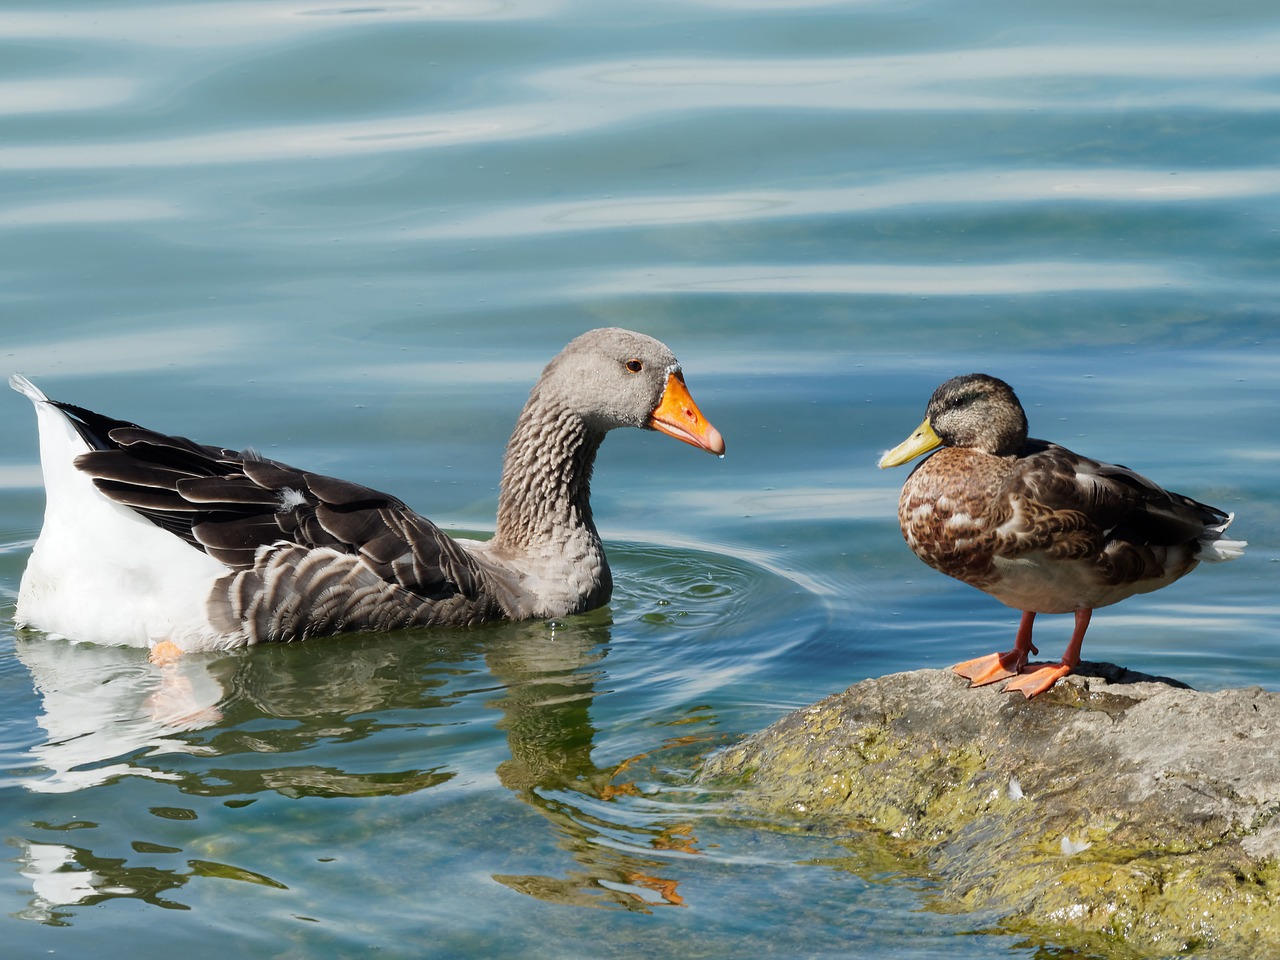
x: 1113, y: 496
x: 1077, y: 507
x: 293, y: 539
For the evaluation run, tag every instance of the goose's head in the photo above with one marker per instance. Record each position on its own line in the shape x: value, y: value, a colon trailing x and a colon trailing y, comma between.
x: 612, y: 377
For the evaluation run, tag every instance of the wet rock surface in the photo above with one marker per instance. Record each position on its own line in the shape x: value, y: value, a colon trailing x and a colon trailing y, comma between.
x: 1117, y: 811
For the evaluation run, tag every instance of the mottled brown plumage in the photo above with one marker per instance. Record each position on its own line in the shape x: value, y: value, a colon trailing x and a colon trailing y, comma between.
x: 1042, y: 529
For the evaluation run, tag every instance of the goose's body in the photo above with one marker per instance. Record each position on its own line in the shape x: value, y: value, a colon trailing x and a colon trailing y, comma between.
x: 1040, y: 528
x: 150, y: 539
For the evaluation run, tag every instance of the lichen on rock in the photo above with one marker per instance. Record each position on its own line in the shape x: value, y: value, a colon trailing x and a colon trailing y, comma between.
x: 1117, y: 811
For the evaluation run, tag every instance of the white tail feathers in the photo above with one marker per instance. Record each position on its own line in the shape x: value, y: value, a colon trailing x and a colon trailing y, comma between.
x: 27, y: 388
x: 1213, y: 548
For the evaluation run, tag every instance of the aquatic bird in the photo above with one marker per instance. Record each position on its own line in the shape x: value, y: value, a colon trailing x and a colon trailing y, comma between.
x: 157, y: 541
x: 1041, y: 529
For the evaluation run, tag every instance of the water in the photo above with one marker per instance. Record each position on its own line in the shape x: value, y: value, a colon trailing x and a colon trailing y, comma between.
x: 351, y: 236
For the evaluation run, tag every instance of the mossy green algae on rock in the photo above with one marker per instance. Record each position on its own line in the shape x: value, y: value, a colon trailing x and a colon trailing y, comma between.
x: 1115, y: 809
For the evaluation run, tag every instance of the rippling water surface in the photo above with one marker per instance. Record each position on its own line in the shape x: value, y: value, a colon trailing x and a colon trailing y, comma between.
x: 351, y: 236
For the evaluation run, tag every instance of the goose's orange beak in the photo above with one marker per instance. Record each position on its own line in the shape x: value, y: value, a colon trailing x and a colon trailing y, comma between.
x: 678, y: 416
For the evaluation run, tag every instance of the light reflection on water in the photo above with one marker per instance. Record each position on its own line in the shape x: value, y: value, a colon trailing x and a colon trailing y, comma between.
x: 135, y: 352
x: 351, y: 236
x: 875, y: 193
x: 950, y: 80
x: 234, y: 727
x: 1003, y: 279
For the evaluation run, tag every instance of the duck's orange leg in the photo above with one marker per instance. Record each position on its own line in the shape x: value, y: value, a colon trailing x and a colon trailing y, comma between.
x: 1042, y: 676
x: 1000, y: 666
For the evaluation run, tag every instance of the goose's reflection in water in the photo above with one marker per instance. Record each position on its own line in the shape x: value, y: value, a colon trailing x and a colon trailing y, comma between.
x: 418, y: 706
x: 547, y: 693
x: 104, y: 709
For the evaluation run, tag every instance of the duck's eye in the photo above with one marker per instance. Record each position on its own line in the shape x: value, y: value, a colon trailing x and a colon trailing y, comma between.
x: 635, y: 366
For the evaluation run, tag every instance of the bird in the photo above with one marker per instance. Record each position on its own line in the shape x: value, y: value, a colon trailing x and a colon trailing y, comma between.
x: 160, y: 542
x: 1038, y: 527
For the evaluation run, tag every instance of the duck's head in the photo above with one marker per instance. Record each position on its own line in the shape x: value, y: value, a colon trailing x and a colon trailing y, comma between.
x: 974, y: 411
x: 612, y: 378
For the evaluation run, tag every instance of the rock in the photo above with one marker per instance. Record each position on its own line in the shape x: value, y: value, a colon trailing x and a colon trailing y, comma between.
x: 1117, y: 807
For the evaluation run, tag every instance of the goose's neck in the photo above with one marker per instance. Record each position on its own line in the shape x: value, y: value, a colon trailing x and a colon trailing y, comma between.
x: 546, y: 481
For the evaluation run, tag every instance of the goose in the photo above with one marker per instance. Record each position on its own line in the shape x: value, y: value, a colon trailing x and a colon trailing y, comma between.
x: 159, y: 542
x: 1040, y: 528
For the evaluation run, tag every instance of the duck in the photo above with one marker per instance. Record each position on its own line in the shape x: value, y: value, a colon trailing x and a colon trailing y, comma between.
x: 157, y: 541
x: 1038, y: 527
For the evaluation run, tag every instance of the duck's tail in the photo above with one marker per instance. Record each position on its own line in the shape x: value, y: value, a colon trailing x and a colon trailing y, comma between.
x: 1213, y: 545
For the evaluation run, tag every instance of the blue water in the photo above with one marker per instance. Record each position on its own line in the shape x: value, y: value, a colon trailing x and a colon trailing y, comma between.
x: 351, y: 236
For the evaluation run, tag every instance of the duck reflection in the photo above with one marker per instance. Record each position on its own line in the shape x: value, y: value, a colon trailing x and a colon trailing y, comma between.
x: 108, y: 713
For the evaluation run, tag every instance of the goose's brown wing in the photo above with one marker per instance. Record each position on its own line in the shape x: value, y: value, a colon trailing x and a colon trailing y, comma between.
x: 255, y: 514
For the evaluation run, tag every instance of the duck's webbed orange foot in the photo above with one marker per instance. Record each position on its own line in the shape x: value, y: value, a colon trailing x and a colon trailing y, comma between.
x: 992, y: 668
x: 1000, y: 666
x: 1038, y: 678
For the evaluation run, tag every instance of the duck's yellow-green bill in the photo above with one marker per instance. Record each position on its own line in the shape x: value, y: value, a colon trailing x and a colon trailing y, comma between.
x: 922, y: 441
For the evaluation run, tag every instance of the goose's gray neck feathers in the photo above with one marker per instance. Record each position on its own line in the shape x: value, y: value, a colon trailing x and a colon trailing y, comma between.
x: 546, y: 556
x: 546, y: 479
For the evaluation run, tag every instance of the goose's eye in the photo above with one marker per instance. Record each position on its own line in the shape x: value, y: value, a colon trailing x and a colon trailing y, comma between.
x: 635, y: 366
